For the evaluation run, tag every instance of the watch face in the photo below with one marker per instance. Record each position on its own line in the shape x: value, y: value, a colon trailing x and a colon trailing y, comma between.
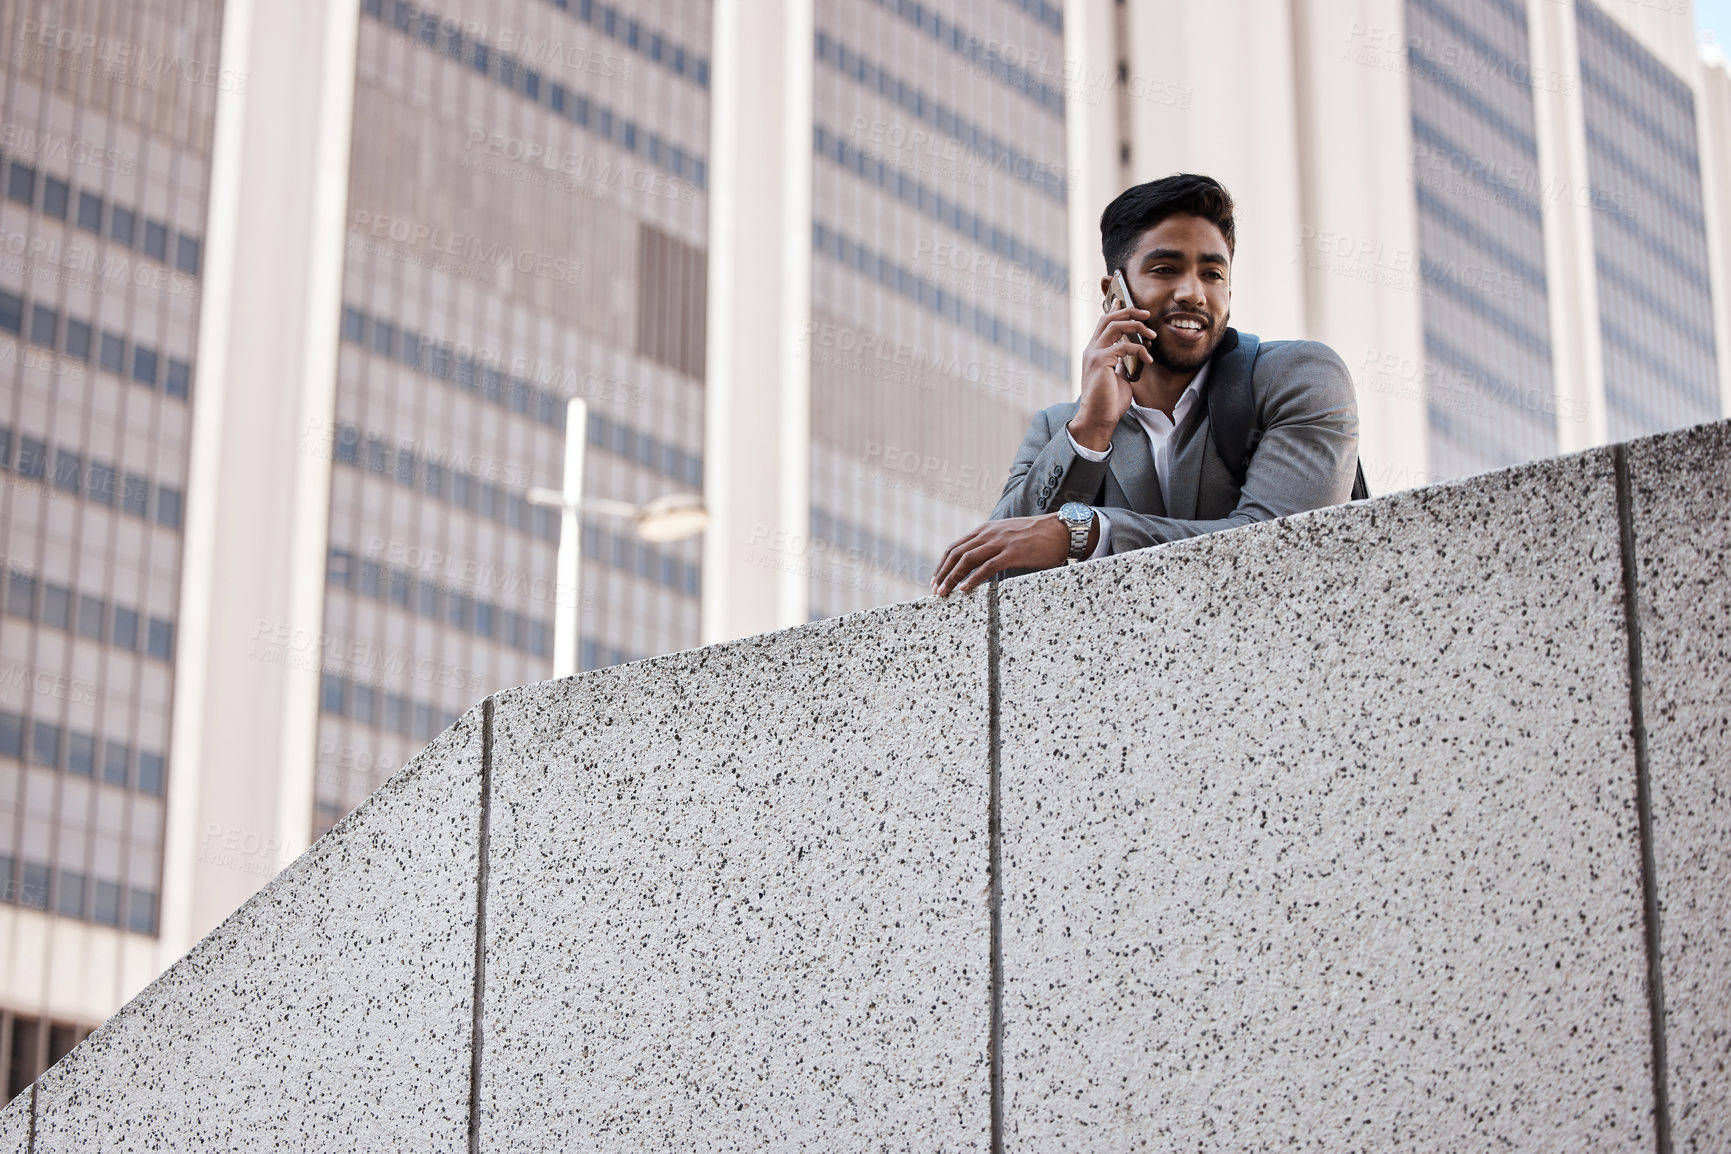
x: 1076, y: 513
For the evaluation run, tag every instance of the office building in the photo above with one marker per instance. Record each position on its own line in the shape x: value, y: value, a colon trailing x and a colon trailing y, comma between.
x: 381, y: 244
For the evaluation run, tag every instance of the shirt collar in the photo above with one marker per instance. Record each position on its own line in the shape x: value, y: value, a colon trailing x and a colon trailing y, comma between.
x: 1186, y: 400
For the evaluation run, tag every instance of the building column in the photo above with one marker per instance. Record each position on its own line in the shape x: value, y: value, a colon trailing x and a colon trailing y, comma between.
x: 1564, y: 191
x: 757, y: 413
x: 240, y: 788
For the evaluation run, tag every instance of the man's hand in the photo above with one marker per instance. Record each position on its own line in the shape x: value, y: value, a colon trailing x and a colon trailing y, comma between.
x: 1041, y: 542
x: 1106, y: 394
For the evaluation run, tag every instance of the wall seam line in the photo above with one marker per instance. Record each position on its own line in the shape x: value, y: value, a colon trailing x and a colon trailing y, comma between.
x: 30, y: 1135
x: 481, y: 867
x: 994, y: 841
x: 1643, y: 804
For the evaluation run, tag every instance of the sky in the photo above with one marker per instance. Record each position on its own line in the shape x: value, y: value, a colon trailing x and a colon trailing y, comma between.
x: 1715, y: 16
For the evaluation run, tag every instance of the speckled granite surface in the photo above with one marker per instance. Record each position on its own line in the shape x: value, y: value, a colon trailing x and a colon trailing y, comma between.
x: 332, y: 1012
x: 1322, y: 835
x: 738, y: 896
x: 15, y: 1125
x: 1680, y: 490
x: 1318, y: 835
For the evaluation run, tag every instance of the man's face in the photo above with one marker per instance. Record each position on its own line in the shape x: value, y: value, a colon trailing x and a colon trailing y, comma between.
x: 1180, y: 271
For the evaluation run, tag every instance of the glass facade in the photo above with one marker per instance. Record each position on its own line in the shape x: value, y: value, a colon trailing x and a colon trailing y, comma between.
x: 106, y: 121
x: 940, y: 280
x: 527, y: 223
x: 1489, y: 390
x: 1655, y: 300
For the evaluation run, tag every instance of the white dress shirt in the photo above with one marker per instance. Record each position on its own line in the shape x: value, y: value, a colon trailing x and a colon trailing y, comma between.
x: 1159, y: 429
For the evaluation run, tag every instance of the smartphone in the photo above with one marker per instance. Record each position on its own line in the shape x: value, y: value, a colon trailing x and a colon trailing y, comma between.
x: 1118, y: 297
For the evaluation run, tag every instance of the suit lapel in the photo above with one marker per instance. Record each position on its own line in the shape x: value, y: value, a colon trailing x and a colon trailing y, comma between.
x: 1132, y: 466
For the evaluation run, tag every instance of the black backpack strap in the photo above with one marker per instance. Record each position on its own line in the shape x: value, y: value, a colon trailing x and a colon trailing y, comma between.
x: 1232, y: 409
x: 1231, y: 404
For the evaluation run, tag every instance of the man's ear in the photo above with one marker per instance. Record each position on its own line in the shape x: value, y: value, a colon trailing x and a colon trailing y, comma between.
x: 1105, y: 287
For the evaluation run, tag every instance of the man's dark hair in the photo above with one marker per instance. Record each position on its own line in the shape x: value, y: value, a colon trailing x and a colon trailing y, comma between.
x: 1140, y: 208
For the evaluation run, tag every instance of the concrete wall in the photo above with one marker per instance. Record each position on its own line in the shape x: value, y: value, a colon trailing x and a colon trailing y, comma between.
x: 1393, y: 824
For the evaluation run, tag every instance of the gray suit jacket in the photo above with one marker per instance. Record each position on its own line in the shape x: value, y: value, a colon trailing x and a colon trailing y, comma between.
x: 1306, y: 459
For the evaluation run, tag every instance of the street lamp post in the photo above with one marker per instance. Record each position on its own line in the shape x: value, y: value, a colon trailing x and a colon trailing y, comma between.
x: 670, y: 517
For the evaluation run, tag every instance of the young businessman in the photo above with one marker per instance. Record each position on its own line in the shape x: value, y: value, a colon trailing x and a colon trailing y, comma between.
x: 1133, y: 463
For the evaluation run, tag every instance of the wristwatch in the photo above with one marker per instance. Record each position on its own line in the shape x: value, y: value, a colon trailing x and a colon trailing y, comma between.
x: 1079, y: 519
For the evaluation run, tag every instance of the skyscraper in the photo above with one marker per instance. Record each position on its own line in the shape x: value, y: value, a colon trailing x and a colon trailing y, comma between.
x: 107, y: 115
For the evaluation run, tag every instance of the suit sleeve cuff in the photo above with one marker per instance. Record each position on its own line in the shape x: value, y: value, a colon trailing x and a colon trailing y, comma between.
x: 1105, y: 545
x: 1087, y: 454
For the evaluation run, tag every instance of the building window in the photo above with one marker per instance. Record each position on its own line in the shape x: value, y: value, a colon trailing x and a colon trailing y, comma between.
x: 125, y: 628
x: 134, y: 495
x: 90, y: 212
x: 33, y: 891
x: 156, y: 240
x: 383, y: 338
x: 102, y: 484
x: 44, y: 327
x: 144, y: 365
x: 68, y: 471
x: 69, y: 895
x: 20, y: 595
x: 354, y: 325
x: 45, y: 744
x: 21, y: 184
x: 366, y: 705
x: 92, y: 615
x: 56, y: 197
x: 150, y: 766
x: 168, y: 507
x: 32, y: 458
x: 179, y: 380
x: 78, y: 339
x: 141, y: 912
x: 57, y: 606
x: 331, y: 696
x: 160, y: 643
x: 186, y: 255
x: 11, y: 313
x: 113, y: 355
x: 114, y: 758
x: 122, y: 224
x: 105, y: 910
x: 339, y: 568
x: 11, y: 735
x: 81, y: 754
